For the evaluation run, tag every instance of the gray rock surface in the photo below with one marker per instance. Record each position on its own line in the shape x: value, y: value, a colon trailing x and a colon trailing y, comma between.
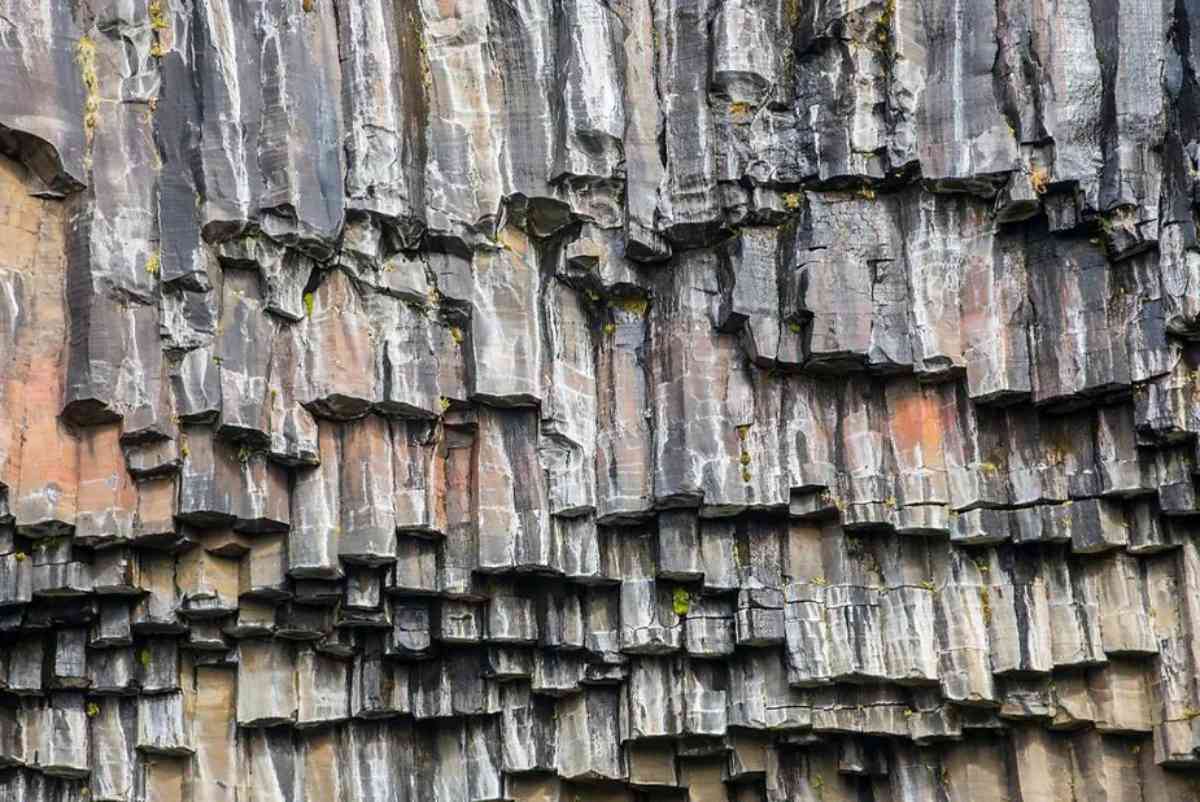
x: 599, y: 400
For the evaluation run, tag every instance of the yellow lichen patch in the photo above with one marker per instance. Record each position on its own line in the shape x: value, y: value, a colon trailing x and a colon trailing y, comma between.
x: 153, y: 263
x: 633, y: 304
x: 92, y: 710
x: 609, y: 328
x: 85, y: 55
x: 992, y: 463
x: 985, y: 599
x: 747, y: 476
x: 791, y: 200
x: 158, y: 15
x: 794, y: 327
x: 1039, y: 177
x: 883, y: 28
x: 740, y: 108
x: 791, y: 11
x: 456, y: 334
x: 743, y: 432
x: 144, y: 657
x: 830, y: 500
x: 680, y: 601
x: 20, y: 555
x: 308, y: 304
x: 444, y: 403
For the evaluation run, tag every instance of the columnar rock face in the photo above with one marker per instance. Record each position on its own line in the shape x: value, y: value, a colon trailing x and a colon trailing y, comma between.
x: 603, y: 400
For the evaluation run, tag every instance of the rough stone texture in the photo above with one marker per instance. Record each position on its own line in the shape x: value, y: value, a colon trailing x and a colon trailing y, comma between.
x: 599, y: 400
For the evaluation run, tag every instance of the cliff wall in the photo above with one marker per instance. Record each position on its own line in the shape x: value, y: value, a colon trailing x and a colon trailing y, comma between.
x: 599, y: 400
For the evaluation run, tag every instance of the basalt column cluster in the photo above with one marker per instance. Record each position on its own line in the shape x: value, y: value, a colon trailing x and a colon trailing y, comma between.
x: 599, y: 400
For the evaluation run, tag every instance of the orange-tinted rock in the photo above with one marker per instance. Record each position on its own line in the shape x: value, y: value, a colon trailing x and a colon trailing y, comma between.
x: 337, y: 364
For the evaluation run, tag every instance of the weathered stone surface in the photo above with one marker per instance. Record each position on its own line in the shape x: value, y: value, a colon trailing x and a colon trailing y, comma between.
x: 596, y: 400
x: 383, y: 100
x: 504, y: 349
x: 43, y: 114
